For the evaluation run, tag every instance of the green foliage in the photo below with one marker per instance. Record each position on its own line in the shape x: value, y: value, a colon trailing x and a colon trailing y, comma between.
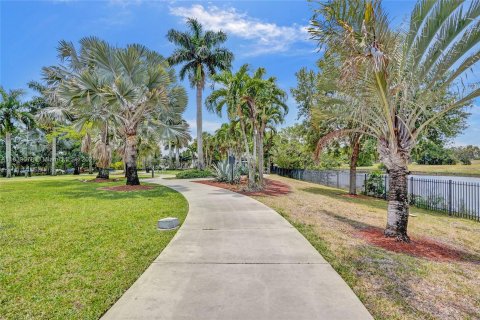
x: 375, y: 185
x: 368, y: 153
x: 119, y: 165
x: 223, y: 172
x: 466, y: 154
x: 194, y: 173
x: 290, y: 150
x: 429, y: 152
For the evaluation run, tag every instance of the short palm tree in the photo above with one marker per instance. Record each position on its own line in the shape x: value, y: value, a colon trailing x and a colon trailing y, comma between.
x: 13, y: 113
x: 201, y: 56
x: 136, y: 83
x: 400, y: 82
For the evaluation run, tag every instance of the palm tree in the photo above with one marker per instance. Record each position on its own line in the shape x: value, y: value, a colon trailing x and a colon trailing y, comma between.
x: 231, y: 96
x: 49, y: 113
x: 201, y: 56
x: 13, y: 113
x: 135, y: 82
x: 255, y: 103
x: 403, y: 82
x: 271, y: 111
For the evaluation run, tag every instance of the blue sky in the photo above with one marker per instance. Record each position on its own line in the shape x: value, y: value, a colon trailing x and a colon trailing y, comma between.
x: 262, y: 33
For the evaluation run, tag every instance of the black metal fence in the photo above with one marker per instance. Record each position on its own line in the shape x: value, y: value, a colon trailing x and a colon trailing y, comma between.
x: 455, y: 198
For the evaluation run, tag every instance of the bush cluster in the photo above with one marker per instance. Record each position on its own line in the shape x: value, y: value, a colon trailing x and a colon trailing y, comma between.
x: 194, y: 173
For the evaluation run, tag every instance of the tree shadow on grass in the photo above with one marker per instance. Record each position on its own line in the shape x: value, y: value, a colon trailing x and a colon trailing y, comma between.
x: 84, y: 190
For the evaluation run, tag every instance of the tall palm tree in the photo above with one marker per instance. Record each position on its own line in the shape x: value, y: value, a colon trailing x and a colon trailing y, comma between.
x: 403, y: 81
x: 13, y: 113
x: 255, y: 103
x: 200, y: 54
x: 271, y: 111
x: 231, y: 96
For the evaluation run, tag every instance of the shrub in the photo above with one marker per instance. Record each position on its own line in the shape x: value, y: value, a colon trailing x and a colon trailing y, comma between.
x: 223, y: 172
x: 118, y: 165
x: 375, y: 186
x: 194, y: 173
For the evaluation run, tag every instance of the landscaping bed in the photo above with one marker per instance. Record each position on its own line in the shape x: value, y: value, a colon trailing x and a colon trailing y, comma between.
x: 272, y: 187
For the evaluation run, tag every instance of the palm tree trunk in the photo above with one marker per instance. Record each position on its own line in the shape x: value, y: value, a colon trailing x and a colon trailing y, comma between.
x: 353, y: 164
x: 103, y: 173
x: 90, y: 164
x: 8, y: 153
x: 54, y: 156
x: 103, y: 170
x: 131, y: 159
x: 397, y: 216
x: 177, y: 157
x: 170, y: 155
x: 260, y: 158
x: 200, y: 160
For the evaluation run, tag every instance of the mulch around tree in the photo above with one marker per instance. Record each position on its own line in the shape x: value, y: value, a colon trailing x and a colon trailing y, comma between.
x: 272, y: 187
x: 100, y: 180
x: 125, y: 188
x: 418, y: 247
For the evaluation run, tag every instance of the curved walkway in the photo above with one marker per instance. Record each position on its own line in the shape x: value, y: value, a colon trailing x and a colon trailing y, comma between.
x: 235, y: 258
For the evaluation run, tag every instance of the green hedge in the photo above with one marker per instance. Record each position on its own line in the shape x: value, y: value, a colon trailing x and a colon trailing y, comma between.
x: 194, y: 173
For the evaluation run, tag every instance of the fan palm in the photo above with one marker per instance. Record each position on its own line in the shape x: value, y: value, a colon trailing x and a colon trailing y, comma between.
x: 13, y: 113
x: 136, y: 83
x: 402, y: 81
x: 201, y: 55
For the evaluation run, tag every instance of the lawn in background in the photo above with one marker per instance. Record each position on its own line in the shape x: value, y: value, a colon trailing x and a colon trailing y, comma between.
x: 69, y: 250
x: 457, y: 169
x: 391, y: 285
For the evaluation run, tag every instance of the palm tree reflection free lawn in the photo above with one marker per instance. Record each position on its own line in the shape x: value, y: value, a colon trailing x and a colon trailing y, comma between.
x: 68, y: 250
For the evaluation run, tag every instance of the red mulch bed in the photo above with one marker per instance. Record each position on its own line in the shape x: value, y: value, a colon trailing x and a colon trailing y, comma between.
x: 125, y: 188
x: 272, y: 187
x: 100, y: 180
x: 418, y: 247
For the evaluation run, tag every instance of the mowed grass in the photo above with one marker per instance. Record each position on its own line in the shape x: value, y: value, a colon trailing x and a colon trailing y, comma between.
x: 391, y: 285
x: 457, y: 169
x: 69, y: 250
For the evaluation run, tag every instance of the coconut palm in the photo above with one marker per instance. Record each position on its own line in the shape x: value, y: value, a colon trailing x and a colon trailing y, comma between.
x: 200, y: 54
x: 13, y: 113
x: 404, y: 81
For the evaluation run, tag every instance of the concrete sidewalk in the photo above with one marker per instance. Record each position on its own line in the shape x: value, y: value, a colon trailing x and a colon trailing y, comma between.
x: 235, y: 258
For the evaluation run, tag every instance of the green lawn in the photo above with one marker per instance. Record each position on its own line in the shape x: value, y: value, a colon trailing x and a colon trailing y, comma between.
x: 457, y: 169
x: 69, y: 251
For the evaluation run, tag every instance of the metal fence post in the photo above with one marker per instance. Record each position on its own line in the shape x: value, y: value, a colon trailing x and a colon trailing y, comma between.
x: 412, y: 197
x: 365, y: 183
x: 449, y: 197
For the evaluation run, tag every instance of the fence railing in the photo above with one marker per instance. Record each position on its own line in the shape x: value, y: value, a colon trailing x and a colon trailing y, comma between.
x: 455, y: 198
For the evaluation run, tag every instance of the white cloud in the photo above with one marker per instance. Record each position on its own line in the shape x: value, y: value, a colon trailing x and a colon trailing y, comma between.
x: 267, y: 37
x: 207, y: 126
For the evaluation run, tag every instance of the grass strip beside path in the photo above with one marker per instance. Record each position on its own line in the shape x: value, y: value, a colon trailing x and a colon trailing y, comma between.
x: 392, y: 285
x: 69, y: 250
